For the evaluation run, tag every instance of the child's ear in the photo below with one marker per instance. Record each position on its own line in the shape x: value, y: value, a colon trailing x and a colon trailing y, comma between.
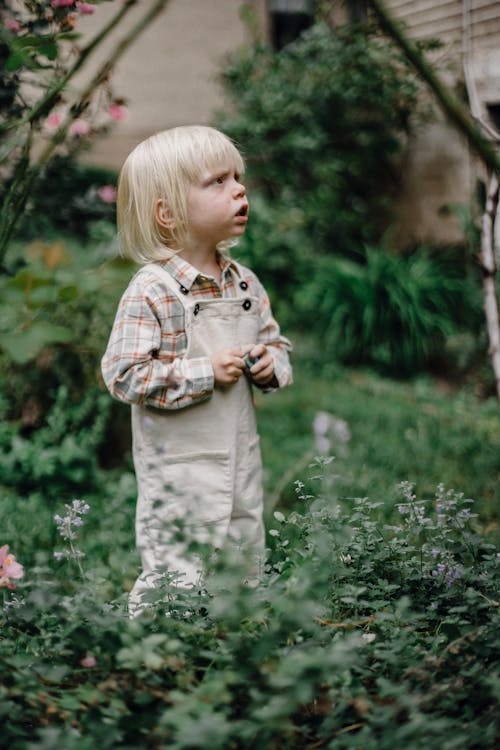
x: 163, y: 215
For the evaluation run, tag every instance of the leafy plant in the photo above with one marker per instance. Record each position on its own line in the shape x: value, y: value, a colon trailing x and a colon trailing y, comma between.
x: 69, y: 198
x: 56, y: 309
x: 392, y: 311
x: 360, y: 635
x: 61, y: 456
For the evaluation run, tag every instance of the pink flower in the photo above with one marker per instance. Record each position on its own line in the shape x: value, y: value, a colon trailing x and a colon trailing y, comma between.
x: 9, y: 568
x: 11, y: 24
x: 107, y: 193
x: 79, y: 127
x: 61, y: 3
x: 88, y: 661
x: 117, y: 111
x: 53, y: 121
x: 86, y: 9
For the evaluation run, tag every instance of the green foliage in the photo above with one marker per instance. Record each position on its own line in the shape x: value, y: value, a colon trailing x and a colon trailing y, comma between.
x: 57, y: 303
x: 393, y: 312
x: 361, y: 635
x: 421, y: 430
x: 65, y: 199
x: 61, y: 457
x: 320, y: 124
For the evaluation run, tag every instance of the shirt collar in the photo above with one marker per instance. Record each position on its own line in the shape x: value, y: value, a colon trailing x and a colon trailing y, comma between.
x: 185, y: 274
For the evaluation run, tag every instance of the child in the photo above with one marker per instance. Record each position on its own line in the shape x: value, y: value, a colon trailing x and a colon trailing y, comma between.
x: 193, y: 330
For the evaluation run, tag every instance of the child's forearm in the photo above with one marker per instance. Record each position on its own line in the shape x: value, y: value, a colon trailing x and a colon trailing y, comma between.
x: 159, y: 384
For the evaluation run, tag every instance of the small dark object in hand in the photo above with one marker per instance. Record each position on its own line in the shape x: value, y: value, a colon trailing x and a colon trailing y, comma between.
x: 250, y: 361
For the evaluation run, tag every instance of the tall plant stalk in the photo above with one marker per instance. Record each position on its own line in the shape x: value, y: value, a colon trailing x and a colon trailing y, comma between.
x: 488, y: 266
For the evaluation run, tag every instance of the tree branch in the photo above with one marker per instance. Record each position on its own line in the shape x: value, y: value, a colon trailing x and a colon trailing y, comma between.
x: 451, y: 106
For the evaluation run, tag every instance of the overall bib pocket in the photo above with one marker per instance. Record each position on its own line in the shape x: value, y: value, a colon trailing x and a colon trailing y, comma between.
x: 193, y: 487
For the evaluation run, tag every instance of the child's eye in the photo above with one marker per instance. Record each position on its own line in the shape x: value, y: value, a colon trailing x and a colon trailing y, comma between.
x: 219, y: 180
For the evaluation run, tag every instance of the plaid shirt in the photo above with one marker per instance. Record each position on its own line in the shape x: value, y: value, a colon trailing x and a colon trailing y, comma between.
x: 145, y: 360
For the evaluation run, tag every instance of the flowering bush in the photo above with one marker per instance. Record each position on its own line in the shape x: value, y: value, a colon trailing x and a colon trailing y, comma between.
x: 40, y: 114
x: 350, y: 641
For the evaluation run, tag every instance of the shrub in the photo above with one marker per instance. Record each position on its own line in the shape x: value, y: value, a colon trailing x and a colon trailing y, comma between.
x: 321, y: 124
x: 57, y: 304
x: 66, y: 199
x: 393, y: 312
x: 361, y: 635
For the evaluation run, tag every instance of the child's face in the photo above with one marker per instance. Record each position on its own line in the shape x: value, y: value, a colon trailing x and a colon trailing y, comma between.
x: 217, y: 207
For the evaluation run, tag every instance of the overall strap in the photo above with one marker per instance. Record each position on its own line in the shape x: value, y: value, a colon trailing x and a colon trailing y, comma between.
x: 167, y: 278
x: 236, y: 272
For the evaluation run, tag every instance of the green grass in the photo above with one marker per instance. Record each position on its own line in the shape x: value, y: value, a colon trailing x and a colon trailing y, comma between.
x: 418, y: 430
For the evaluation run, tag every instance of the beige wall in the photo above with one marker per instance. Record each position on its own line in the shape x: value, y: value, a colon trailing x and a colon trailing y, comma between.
x: 168, y: 76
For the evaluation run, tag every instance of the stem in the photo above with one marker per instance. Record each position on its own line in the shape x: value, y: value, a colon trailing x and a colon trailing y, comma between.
x: 452, y: 106
x: 287, y: 477
x: 75, y: 554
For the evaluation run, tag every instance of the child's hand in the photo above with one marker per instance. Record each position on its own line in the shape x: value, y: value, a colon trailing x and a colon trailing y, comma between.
x: 262, y: 372
x: 228, y: 366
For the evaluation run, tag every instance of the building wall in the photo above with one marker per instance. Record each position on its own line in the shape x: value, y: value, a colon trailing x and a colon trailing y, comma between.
x: 169, y: 75
x: 440, y: 170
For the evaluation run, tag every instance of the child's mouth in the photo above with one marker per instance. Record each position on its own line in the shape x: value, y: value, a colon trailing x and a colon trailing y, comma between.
x: 243, y: 211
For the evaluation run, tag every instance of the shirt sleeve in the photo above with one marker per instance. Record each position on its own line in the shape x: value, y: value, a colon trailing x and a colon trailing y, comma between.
x: 270, y: 335
x: 139, y: 366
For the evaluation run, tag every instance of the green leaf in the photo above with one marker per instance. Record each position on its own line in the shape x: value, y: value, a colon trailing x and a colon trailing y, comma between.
x: 26, y: 345
x: 52, y: 673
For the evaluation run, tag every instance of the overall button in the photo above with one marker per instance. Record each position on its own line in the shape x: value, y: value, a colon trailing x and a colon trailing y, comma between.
x: 247, y: 304
x: 196, y: 309
x: 243, y: 285
x: 184, y: 290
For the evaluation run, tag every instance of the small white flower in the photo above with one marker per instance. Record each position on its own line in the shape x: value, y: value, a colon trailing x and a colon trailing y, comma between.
x: 321, y: 423
x: 368, y: 637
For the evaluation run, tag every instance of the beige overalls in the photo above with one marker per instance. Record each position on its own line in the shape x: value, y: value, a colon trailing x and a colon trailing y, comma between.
x: 200, y: 465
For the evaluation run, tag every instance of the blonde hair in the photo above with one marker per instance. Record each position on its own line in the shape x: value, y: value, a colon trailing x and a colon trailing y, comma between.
x: 162, y: 168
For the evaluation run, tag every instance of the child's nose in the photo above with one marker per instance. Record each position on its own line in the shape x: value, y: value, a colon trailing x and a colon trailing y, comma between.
x: 239, y: 189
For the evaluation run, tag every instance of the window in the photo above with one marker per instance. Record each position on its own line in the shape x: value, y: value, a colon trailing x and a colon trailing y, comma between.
x: 288, y: 19
x: 358, y: 10
x: 494, y: 114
